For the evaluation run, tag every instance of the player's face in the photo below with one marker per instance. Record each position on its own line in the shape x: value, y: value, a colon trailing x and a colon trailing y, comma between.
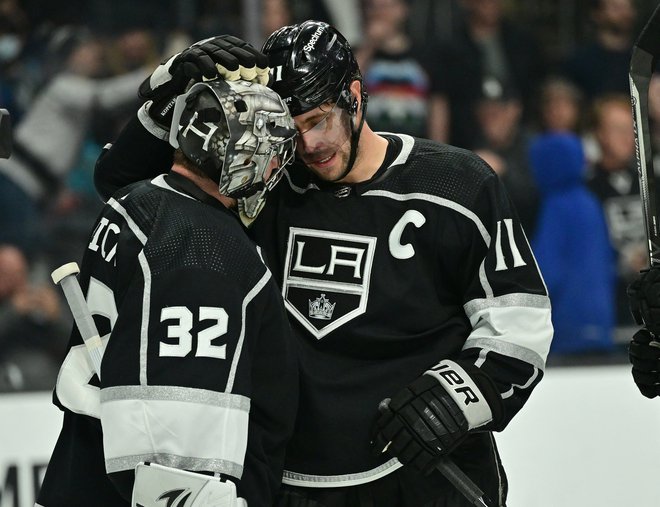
x: 324, y: 140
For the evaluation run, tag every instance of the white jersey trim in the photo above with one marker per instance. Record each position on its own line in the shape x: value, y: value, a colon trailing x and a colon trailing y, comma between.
x: 408, y: 143
x: 193, y: 429
x: 339, y: 481
x: 161, y: 182
x: 516, y: 325
x: 114, y: 204
x: 144, y: 325
x: 241, y: 339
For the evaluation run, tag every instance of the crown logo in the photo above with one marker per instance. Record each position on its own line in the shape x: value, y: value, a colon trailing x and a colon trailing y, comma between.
x: 321, y: 308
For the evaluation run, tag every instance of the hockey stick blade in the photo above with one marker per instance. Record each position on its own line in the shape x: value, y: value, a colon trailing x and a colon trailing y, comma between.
x: 642, y: 62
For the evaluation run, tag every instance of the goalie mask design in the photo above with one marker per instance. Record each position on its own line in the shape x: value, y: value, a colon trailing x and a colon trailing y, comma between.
x: 233, y: 130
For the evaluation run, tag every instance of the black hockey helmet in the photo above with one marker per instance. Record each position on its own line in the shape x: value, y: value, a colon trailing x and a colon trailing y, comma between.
x: 312, y: 64
x: 232, y: 130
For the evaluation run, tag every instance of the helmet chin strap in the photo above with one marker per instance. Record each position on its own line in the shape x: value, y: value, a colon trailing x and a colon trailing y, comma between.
x: 355, y: 137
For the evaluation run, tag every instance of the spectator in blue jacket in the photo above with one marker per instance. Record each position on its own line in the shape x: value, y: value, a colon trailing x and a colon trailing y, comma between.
x: 572, y: 247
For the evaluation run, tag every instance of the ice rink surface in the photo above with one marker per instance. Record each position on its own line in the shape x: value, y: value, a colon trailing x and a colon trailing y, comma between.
x: 586, y: 438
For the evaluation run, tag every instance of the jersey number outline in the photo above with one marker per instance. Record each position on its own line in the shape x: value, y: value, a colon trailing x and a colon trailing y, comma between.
x: 205, y: 337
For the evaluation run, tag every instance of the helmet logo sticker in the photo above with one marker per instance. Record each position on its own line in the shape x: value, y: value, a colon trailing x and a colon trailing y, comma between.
x: 312, y: 41
x: 206, y: 136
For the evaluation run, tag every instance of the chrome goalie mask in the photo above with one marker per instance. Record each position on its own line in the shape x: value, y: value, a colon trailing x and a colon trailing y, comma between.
x: 234, y: 130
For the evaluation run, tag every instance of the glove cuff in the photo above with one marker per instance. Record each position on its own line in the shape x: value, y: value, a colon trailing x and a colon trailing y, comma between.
x: 154, y: 128
x: 464, y: 391
x: 472, y: 390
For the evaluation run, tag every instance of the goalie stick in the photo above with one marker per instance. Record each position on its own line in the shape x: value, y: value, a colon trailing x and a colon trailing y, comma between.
x: 65, y: 277
x: 642, y: 62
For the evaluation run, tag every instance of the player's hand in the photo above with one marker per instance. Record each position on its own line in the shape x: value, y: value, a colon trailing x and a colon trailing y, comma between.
x: 224, y: 56
x: 429, y: 418
x: 644, y: 299
x: 644, y: 354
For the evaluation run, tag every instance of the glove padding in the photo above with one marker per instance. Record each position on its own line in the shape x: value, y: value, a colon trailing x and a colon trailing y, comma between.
x: 429, y: 418
x: 645, y: 359
x: 224, y: 56
x: 644, y: 299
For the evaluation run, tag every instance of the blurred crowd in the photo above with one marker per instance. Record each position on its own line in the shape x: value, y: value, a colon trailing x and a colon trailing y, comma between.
x: 555, y: 125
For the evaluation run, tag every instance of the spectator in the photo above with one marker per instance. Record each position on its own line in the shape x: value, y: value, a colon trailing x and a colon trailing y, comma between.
x: 504, y: 145
x: 487, y: 44
x: 560, y: 106
x: 48, y: 140
x: 33, y: 328
x: 614, y: 181
x: 572, y: 247
x: 404, y: 90
x: 601, y: 65
x: 561, y: 109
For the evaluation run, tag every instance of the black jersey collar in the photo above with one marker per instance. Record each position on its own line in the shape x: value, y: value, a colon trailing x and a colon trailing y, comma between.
x: 184, y: 185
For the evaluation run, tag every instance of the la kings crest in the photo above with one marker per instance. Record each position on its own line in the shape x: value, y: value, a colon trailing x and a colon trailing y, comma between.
x: 326, y: 278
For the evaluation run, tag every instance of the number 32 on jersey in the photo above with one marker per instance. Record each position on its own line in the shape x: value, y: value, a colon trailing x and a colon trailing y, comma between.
x: 73, y: 383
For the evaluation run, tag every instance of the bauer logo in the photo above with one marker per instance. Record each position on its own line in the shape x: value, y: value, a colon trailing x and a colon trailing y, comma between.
x: 326, y: 278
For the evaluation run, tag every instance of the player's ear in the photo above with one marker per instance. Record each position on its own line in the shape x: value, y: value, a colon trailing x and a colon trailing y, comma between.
x: 356, y: 96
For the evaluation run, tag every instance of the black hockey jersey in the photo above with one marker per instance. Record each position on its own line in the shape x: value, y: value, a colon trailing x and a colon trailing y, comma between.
x: 199, y: 369
x: 384, y: 279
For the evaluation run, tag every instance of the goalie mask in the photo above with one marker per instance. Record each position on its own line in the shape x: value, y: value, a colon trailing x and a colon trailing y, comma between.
x: 233, y: 130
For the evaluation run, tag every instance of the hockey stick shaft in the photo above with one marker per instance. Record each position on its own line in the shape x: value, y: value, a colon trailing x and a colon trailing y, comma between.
x: 642, y: 63
x: 65, y: 277
x: 462, y: 482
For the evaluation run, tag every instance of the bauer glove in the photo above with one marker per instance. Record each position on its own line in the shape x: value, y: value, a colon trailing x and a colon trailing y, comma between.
x: 430, y: 417
x: 224, y: 56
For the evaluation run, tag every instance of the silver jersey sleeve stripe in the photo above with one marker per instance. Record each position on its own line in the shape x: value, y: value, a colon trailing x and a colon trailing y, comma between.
x: 188, y: 428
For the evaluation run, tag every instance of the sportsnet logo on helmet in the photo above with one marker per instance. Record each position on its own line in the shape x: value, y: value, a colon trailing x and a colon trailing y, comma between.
x: 326, y: 278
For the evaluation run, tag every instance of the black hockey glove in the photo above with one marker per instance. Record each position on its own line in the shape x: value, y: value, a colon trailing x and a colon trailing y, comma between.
x: 429, y: 418
x: 644, y: 300
x: 224, y: 56
x: 644, y: 354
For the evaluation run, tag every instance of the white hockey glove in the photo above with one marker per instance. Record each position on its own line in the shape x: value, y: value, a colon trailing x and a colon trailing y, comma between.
x: 158, y: 485
x: 224, y: 56
x: 430, y: 417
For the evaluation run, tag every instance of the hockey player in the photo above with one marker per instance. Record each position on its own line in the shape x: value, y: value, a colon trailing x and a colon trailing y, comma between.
x: 198, y: 386
x: 410, y: 286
